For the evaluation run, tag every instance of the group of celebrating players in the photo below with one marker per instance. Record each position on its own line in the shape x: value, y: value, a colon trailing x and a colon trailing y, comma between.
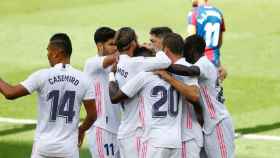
x: 161, y: 99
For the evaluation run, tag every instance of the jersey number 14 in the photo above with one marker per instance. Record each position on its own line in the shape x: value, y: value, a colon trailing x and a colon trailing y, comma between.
x: 62, y: 107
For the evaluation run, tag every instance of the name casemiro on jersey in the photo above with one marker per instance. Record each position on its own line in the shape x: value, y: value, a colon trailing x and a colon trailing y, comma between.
x: 63, y: 78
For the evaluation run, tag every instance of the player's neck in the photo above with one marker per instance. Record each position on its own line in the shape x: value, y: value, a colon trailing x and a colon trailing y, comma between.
x: 99, y: 53
x: 196, y: 58
x: 64, y: 61
x: 175, y: 58
x: 129, y: 53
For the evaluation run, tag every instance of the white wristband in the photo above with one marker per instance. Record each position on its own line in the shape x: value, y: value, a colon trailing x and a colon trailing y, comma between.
x: 112, y: 77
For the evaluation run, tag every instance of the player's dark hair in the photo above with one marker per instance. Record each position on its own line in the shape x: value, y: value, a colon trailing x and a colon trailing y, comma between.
x: 62, y: 41
x: 142, y: 51
x: 194, y: 44
x: 103, y: 34
x: 174, y: 42
x: 124, y: 37
x: 160, y: 32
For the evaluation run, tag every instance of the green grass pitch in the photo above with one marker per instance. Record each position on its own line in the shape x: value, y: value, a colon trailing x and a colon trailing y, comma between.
x: 250, y: 53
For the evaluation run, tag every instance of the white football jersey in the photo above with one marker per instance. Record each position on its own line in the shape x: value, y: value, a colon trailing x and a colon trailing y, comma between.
x: 61, y: 90
x: 213, y: 110
x: 127, y: 68
x: 108, y: 114
x: 191, y: 129
x: 160, y: 109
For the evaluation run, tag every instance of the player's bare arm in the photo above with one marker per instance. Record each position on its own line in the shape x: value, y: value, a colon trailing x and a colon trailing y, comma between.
x: 91, y: 116
x: 12, y: 92
x: 190, y: 92
x: 222, y: 73
x: 222, y: 70
x: 109, y: 60
x: 199, y: 114
x: 116, y: 95
x: 184, y: 70
x: 194, y: 71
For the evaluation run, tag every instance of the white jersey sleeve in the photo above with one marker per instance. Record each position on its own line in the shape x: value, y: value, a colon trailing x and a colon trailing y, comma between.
x: 191, y: 81
x: 203, y: 65
x: 93, y: 64
x: 135, y: 84
x: 33, y: 82
x: 90, y: 91
x: 160, y: 61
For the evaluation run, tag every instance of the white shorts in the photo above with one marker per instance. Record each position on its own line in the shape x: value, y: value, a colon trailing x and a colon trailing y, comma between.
x: 130, y: 146
x: 36, y: 154
x: 102, y: 143
x: 148, y: 151
x: 220, y: 143
x: 190, y: 149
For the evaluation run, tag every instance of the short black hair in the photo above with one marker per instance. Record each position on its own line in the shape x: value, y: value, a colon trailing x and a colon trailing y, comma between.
x: 160, y: 31
x: 103, y: 34
x: 62, y: 40
x: 124, y: 37
x: 142, y: 51
x: 174, y: 42
x: 194, y: 44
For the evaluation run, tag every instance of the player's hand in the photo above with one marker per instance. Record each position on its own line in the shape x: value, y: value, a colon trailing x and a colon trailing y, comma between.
x: 117, y: 56
x: 114, y: 67
x: 81, y: 137
x: 163, y: 74
x: 222, y: 73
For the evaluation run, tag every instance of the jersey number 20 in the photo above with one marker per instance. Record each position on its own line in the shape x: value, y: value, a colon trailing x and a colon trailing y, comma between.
x: 166, y: 96
x: 62, y: 107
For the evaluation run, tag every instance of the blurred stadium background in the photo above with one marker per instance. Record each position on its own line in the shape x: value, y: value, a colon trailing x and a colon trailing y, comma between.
x: 250, y: 53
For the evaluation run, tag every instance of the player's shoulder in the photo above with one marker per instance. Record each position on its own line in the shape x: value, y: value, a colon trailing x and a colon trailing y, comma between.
x: 215, y: 9
x: 218, y: 10
x: 203, y: 60
x: 92, y: 60
x: 129, y: 63
x: 81, y: 76
x: 193, y: 10
x: 182, y: 61
x: 42, y: 72
x: 124, y: 57
x: 77, y: 73
x: 202, y: 8
x: 128, y: 60
x: 206, y: 63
